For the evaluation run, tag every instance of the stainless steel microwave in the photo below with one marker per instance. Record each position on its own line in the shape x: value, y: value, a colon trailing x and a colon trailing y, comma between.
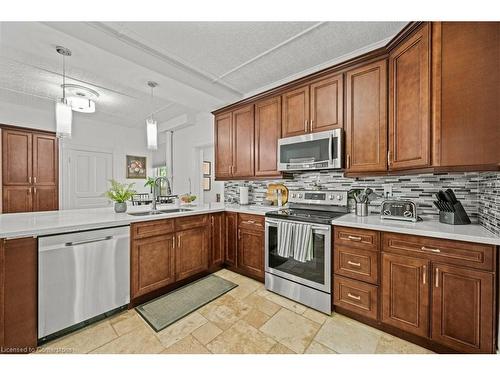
x: 311, y: 151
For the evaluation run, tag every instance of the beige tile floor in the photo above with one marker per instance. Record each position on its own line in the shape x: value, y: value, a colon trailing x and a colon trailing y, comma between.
x: 248, y: 319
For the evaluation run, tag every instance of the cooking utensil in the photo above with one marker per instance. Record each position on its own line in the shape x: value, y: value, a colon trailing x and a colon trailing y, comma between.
x: 452, y: 195
x: 441, y: 196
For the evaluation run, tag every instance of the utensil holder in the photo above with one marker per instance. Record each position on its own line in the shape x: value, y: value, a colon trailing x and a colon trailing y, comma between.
x: 361, y: 209
x: 456, y: 217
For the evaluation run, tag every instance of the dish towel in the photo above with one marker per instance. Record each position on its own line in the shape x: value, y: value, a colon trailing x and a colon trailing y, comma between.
x: 285, y: 239
x: 302, y: 242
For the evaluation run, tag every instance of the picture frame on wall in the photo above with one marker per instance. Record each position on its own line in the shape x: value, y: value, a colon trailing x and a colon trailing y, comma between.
x: 136, y: 167
x: 207, y: 183
x: 207, y: 168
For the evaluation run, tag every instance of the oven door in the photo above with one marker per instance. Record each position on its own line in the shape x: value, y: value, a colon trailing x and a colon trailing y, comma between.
x: 315, y: 273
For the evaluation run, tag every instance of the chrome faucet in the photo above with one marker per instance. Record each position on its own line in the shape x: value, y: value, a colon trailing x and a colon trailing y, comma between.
x: 155, y: 186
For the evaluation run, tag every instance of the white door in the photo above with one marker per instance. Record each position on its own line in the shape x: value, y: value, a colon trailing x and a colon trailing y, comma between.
x: 89, y: 173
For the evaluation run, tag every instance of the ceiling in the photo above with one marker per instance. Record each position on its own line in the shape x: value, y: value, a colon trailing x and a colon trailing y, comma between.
x: 199, y: 66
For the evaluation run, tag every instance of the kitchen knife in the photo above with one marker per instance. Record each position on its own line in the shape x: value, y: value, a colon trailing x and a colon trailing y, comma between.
x: 441, y: 196
x: 452, y: 195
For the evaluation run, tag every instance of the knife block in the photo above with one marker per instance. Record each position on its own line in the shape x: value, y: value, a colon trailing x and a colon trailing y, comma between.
x: 457, y: 217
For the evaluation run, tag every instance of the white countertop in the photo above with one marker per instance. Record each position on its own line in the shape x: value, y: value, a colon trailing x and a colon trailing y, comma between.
x: 64, y: 221
x: 427, y: 227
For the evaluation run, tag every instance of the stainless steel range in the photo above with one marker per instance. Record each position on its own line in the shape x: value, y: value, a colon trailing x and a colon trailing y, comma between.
x: 298, y: 246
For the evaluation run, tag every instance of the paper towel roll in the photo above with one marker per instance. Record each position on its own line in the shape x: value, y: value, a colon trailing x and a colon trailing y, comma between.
x: 243, y: 194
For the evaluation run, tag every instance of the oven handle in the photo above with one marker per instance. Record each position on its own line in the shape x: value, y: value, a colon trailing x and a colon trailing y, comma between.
x: 314, y: 227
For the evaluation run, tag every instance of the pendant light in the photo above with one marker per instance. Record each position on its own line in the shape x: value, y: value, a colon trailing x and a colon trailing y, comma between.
x: 64, y: 114
x: 151, y: 125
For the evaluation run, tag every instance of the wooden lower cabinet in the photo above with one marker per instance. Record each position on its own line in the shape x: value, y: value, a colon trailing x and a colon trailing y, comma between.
x: 251, y: 252
x: 217, y: 239
x: 191, y: 252
x: 231, y: 242
x: 405, y: 293
x: 463, y: 309
x: 18, y: 295
x: 153, y: 263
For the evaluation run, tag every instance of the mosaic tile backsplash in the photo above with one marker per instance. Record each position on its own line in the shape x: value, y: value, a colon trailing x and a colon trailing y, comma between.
x: 479, y: 192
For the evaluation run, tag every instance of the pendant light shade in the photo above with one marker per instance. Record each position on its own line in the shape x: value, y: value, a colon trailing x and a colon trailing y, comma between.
x: 64, y: 116
x: 151, y: 125
x: 152, y: 134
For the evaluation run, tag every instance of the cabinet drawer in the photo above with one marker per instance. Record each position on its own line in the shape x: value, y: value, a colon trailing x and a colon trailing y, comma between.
x: 189, y: 222
x: 152, y: 228
x: 358, y: 238
x: 358, y: 264
x: 452, y: 252
x: 252, y: 222
x: 356, y: 296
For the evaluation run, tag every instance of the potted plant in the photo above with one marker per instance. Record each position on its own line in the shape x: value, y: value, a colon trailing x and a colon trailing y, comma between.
x: 120, y: 194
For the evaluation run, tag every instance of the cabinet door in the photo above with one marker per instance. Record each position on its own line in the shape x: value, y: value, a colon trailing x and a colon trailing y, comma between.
x: 295, y: 119
x: 327, y: 104
x: 231, y: 238
x: 251, y: 252
x: 152, y: 264
x: 267, y: 133
x: 217, y: 238
x: 45, y: 160
x: 45, y: 198
x: 409, y: 102
x: 18, y: 294
x: 223, y: 145
x: 17, y: 199
x: 405, y: 293
x: 466, y: 81
x: 243, y: 142
x: 17, y: 157
x: 366, y: 125
x: 191, y: 252
x: 463, y: 309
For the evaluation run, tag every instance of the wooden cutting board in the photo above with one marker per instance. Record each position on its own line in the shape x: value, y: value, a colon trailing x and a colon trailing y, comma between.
x: 272, y: 196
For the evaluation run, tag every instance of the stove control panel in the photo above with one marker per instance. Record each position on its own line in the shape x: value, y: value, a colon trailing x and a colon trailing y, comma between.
x: 319, y: 197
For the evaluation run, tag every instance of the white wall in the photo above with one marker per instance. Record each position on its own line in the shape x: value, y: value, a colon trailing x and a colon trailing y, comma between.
x: 187, y: 143
x: 120, y: 141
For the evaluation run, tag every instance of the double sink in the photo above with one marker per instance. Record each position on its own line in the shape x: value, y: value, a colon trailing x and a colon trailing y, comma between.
x: 159, y: 212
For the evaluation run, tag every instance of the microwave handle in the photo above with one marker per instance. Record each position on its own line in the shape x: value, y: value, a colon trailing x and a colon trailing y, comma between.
x: 330, y: 148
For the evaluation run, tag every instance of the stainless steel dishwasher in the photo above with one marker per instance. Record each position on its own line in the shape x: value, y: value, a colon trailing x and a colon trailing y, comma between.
x: 81, y: 276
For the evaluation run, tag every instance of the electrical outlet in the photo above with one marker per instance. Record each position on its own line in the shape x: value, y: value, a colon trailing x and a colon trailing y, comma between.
x: 387, y: 190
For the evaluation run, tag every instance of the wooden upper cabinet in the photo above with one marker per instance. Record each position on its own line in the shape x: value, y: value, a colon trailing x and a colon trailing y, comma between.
x: 409, y: 102
x: 223, y: 145
x: 366, y: 125
x: 466, y: 92
x: 17, y: 157
x: 295, y: 118
x: 243, y: 142
x: 463, y: 312
x: 45, y: 163
x: 327, y: 104
x: 267, y: 133
x: 17, y: 199
x: 405, y: 293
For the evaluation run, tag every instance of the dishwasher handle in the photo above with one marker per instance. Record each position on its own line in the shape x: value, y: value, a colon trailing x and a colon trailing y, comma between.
x: 76, y: 243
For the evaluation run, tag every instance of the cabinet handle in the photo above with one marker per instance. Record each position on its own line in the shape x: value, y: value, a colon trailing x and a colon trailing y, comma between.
x: 354, y: 263
x: 424, y: 276
x: 388, y: 157
x: 348, y: 161
x: 353, y: 296
x: 239, y: 234
x: 250, y: 221
x: 437, y: 277
x: 423, y: 248
x: 29, y: 179
x: 311, y: 123
x: 354, y: 238
x: 305, y: 126
x: 173, y: 242
x: 179, y: 241
x: 212, y: 220
x: 34, y: 190
x: 34, y: 180
x: 29, y: 191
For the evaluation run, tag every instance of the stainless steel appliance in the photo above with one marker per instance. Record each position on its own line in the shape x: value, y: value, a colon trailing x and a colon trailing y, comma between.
x: 405, y: 210
x: 81, y: 276
x: 311, y: 151
x: 306, y: 282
